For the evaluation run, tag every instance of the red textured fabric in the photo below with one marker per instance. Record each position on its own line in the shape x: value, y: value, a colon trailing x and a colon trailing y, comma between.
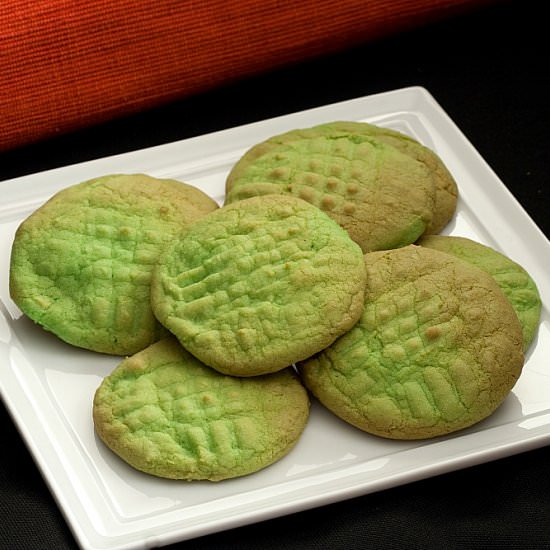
x: 66, y: 64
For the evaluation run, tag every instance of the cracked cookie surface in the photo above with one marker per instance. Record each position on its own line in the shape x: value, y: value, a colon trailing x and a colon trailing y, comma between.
x: 81, y: 263
x: 437, y: 349
x: 167, y: 414
x: 259, y: 284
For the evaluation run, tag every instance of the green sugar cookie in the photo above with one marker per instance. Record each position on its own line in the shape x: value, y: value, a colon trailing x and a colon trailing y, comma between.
x: 437, y: 349
x: 515, y: 282
x: 81, y: 264
x: 165, y: 413
x: 381, y: 196
x: 446, y: 189
x: 259, y: 284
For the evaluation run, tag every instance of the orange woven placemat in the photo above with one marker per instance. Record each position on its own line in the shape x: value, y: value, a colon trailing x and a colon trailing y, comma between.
x: 67, y: 64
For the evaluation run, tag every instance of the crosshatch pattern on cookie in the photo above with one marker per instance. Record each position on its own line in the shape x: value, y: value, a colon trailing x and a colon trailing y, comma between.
x: 258, y: 284
x: 438, y: 348
x: 446, y: 188
x: 382, y: 197
x: 169, y: 415
x: 81, y: 264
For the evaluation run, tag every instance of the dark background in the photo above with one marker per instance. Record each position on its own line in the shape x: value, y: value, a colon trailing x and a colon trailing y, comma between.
x: 489, y: 70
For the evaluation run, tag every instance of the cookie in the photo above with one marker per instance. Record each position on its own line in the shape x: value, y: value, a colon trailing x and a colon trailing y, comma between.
x: 446, y: 189
x: 167, y: 414
x: 514, y: 281
x: 259, y: 284
x: 81, y: 264
x: 437, y: 349
x: 381, y: 196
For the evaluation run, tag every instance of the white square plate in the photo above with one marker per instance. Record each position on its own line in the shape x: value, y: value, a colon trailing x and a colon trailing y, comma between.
x: 48, y: 386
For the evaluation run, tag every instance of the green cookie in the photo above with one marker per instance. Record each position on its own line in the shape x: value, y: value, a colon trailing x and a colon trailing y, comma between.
x: 165, y: 413
x: 515, y: 282
x: 381, y: 196
x: 259, y: 284
x: 437, y: 349
x: 446, y: 189
x: 81, y: 264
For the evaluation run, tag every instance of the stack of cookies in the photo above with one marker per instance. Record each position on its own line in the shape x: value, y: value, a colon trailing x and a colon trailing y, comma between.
x: 322, y: 274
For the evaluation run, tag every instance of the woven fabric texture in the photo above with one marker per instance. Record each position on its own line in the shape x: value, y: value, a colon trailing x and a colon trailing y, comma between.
x: 67, y: 64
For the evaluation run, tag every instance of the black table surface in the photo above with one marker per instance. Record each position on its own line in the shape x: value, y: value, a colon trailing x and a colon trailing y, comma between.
x: 489, y: 70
